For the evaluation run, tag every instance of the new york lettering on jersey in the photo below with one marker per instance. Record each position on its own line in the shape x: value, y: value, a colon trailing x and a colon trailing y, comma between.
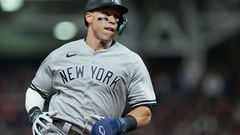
x: 97, y: 73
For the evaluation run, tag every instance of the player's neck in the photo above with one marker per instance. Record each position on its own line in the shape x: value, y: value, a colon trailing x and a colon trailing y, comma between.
x: 97, y: 44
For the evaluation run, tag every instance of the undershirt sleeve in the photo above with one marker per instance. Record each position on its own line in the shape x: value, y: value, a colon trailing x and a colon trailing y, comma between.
x: 33, y: 99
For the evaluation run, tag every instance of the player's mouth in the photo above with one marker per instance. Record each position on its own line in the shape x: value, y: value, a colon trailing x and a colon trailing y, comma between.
x: 110, y: 29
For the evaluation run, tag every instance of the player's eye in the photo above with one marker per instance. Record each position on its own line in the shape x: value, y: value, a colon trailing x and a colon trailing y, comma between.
x: 115, y: 15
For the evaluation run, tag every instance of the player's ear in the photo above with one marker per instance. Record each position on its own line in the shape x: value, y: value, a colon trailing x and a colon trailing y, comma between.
x: 88, y: 17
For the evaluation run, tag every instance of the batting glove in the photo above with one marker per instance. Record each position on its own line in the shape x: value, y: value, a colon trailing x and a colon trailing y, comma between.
x: 41, y: 121
x: 109, y: 127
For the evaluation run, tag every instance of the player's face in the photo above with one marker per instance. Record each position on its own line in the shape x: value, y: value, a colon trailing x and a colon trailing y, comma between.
x: 103, y: 23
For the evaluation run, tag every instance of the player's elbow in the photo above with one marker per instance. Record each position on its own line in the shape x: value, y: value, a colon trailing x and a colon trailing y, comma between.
x: 146, y: 119
x: 143, y: 115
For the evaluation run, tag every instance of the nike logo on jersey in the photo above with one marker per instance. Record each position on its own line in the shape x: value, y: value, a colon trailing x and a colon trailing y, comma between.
x: 70, y: 55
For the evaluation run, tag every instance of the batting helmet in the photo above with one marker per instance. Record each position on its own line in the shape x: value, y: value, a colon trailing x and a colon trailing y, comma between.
x: 96, y: 4
x: 99, y: 4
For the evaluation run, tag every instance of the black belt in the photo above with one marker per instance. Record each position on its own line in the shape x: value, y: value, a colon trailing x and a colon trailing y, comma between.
x: 74, y: 130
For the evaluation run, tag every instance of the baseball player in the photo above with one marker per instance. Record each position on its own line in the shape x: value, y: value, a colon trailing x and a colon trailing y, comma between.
x: 93, y: 79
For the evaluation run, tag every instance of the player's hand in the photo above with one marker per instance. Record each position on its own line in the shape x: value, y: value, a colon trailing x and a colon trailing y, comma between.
x: 109, y: 127
x: 41, y: 121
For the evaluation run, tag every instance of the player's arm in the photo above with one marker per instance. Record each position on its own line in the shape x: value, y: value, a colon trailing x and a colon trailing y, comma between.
x: 141, y: 115
x: 34, y: 103
x: 136, y: 118
x: 33, y: 100
x: 141, y: 94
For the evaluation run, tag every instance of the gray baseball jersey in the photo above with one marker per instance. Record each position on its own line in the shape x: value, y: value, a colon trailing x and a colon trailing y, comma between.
x: 93, y: 82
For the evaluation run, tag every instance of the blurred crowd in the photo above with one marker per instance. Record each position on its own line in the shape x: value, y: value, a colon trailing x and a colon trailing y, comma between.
x: 14, y: 80
x: 210, y: 108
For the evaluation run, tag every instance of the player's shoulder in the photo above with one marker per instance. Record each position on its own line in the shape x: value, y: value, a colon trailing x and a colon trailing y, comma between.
x: 130, y: 58
x: 72, y: 45
x: 67, y: 47
x: 128, y: 52
x: 61, y: 52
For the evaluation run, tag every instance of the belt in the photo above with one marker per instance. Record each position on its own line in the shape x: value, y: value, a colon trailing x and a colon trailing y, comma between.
x: 71, y: 128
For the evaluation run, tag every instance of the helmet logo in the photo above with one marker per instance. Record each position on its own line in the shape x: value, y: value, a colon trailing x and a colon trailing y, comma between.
x: 117, y: 2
